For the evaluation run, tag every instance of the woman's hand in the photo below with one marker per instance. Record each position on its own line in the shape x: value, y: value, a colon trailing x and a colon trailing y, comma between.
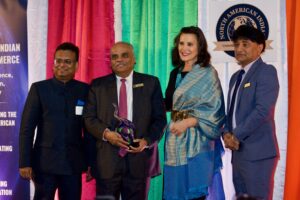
x: 180, y: 127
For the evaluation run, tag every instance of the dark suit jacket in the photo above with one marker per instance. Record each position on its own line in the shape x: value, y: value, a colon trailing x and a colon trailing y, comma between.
x: 148, y: 116
x: 58, y: 148
x: 255, y: 105
x: 170, y: 89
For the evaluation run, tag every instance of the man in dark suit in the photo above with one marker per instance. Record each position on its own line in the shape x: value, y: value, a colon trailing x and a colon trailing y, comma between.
x: 128, y: 173
x: 250, y: 118
x: 54, y: 107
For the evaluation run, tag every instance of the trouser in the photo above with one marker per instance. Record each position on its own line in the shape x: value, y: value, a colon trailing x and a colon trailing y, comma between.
x: 124, y: 184
x: 69, y: 186
x: 255, y: 178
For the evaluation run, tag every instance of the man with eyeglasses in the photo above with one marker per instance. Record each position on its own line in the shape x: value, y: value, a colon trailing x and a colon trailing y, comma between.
x: 54, y: 107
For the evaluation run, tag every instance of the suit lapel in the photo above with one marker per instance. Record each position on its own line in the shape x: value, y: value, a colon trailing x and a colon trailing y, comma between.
x: 136, y: 93
x: 112, y: 92
x: 249, y: 74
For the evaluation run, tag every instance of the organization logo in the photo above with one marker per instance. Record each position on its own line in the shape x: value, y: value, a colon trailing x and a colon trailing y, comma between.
x: 232, y: 18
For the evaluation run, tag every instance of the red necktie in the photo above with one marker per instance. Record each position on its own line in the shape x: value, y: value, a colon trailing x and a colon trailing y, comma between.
x: 123, y: 100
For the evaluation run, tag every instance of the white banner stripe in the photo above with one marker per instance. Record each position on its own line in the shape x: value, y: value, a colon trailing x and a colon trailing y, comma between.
x: 118, y: 20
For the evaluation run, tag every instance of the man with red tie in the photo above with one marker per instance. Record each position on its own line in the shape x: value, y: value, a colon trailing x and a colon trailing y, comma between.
x: 123, y: 168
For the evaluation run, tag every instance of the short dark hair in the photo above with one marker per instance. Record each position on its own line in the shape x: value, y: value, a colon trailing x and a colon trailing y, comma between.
x: 69, y: 46
x: 203, y: 55
x: 249, y: 33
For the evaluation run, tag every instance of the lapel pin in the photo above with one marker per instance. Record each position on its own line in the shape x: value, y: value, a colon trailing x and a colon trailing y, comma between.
x: 138, y: 85
x: 247, y: 85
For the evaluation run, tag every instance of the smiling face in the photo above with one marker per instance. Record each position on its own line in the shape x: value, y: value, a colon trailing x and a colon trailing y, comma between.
x: 122, y: 59
x: 65, y: 65
x: 246, y: 51
x: 188, y: 48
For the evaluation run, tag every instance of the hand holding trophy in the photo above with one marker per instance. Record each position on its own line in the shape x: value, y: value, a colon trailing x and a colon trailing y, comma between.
x: 126, y: 129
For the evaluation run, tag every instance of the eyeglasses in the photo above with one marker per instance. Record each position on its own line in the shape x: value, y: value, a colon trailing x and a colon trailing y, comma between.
x: 59, y: 61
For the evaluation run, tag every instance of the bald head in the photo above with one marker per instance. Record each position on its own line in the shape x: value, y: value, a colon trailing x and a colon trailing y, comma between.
x: 120, y: 43
x: 122, y: 59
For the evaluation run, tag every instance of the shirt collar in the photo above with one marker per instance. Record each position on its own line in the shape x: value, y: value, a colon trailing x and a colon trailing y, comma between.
x: 58, y: 82
x: 247, y: 67
x: 128, y: 78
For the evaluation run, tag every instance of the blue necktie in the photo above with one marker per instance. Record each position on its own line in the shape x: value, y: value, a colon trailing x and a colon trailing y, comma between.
x: 231, y: 107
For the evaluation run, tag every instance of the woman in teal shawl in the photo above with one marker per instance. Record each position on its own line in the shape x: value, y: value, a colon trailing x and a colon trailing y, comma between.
x: 194, y: 96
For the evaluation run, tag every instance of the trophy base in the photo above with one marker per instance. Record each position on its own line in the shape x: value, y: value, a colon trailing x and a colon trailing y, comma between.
x: 135, y: 144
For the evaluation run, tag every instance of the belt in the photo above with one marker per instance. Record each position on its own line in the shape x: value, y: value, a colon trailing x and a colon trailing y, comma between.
x: 179, y: 115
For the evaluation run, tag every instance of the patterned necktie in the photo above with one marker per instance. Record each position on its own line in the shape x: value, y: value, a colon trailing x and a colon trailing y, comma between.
x: 233, y: 98
x: 123, y: 100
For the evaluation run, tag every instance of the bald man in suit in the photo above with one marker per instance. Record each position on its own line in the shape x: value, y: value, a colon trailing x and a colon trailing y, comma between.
x: 129, y: 174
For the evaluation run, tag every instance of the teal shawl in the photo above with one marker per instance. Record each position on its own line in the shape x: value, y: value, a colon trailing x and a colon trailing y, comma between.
x: 199, y: 92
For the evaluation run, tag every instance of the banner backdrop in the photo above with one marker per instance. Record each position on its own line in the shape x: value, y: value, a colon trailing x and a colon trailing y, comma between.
x: 13, y: 90
x: 226, y: 16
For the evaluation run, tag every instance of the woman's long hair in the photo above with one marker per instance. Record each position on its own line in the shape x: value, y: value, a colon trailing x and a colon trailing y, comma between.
x: 203, y: 55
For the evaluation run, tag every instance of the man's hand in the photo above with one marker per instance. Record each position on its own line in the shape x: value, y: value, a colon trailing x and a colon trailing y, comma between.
x: 115, y: 139
x: 88, y: 175
x: 231, y: 141
x: 26, y: 172
x: 142, y: 145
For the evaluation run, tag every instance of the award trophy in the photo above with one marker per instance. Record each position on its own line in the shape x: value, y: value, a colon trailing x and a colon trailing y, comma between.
x: 126, y: 129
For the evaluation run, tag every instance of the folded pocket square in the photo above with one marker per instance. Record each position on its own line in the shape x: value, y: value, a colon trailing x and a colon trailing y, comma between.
x: 80, y: 102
